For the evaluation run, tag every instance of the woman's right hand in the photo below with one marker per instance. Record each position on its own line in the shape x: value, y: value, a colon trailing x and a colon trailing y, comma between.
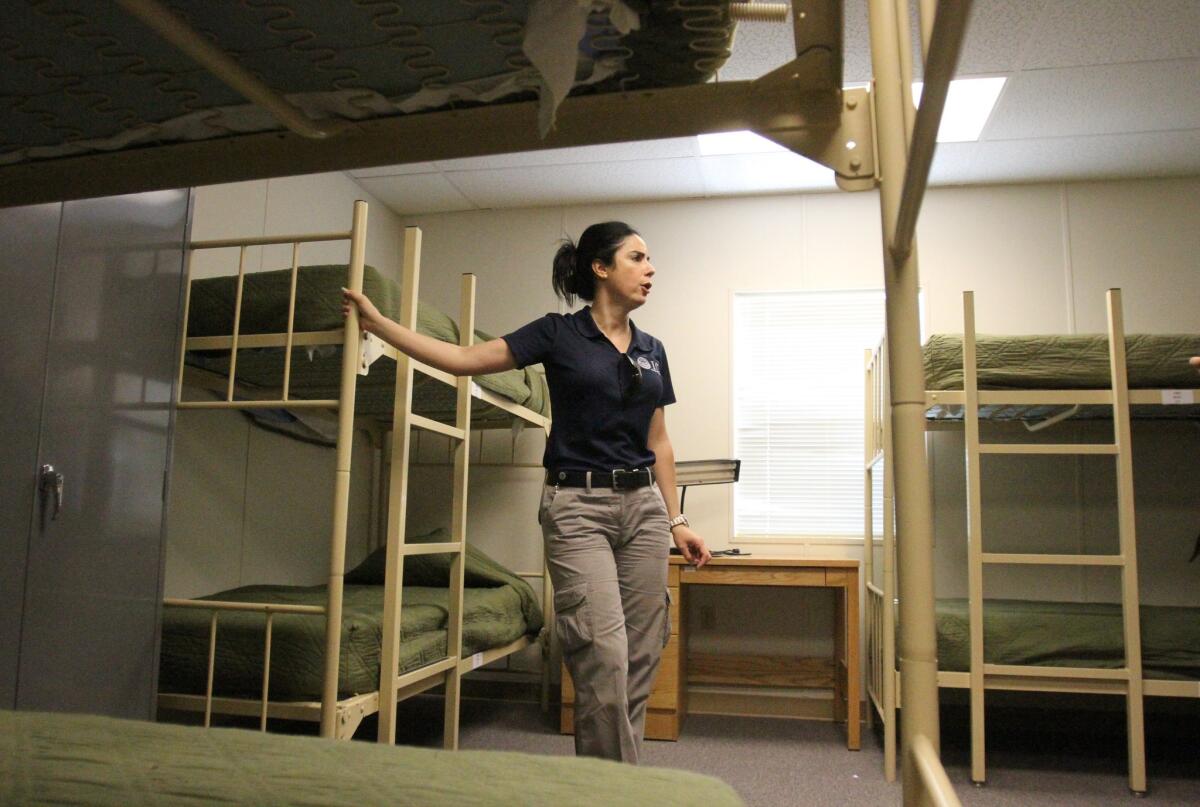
x: 368, y: 314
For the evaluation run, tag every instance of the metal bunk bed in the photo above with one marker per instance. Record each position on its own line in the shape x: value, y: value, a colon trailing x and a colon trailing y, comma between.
x: 341, y: 717
x: 1033, y: 394
x: 869, y: 139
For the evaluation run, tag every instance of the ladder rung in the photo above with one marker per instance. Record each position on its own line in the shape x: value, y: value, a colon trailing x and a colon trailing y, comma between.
x: 1033, y: 671
x: 434, y: 426
x: 1047, y: 448
x: 1026, y: 558
x: 422, y: 673
x: 297, y: 403
x: 431, y: 549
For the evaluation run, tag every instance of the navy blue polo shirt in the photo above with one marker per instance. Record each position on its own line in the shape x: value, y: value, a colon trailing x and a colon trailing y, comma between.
x: 601, y: 413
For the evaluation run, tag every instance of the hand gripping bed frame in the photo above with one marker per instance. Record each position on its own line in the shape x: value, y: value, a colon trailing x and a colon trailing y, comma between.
x: 882, y: 464
x: 869, y: 138
x: 337, y: 717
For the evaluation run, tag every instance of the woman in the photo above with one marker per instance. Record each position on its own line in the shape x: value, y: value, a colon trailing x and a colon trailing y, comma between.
x: 609, y: 507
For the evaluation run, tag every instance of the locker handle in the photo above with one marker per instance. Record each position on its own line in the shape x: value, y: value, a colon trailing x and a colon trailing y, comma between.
x: 52, y: 482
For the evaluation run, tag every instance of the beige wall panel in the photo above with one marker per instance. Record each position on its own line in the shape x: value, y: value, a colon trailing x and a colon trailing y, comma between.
x: 1005, y: 243
x: 324, y: 203
x: 1142, y: 237
x: 510, y: 534
x: 289, y: 509
x: 842, y: 246
x: 228, y: 211
x: 510, y: 251
x: 204, y: 517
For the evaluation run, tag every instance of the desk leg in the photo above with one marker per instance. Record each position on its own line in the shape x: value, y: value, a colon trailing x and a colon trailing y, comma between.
x: 853, y: 697
x: 839, y: 655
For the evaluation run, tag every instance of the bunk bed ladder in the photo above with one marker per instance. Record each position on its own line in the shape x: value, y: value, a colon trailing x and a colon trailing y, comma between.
x: 1127, y: 679
x: 883, y: 677
x: 392, y: 686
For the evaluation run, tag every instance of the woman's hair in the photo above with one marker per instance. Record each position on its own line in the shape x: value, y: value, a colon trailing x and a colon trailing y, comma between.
x: 573, y: 274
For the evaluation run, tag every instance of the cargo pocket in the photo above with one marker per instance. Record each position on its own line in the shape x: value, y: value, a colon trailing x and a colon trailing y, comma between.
x: 666, y: 630
x: 548, y: 494
x: 573, y: 618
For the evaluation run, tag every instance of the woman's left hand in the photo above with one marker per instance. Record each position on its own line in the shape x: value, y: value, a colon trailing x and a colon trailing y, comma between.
x: 691, y: 546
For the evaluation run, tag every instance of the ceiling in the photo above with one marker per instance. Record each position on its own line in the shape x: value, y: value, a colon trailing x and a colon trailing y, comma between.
x: 1096, y: 89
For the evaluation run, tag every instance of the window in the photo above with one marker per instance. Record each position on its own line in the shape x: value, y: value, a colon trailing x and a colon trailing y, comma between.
x: 798, y: 410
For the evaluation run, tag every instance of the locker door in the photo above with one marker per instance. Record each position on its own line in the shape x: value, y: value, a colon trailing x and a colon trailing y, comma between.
x: 93, y: 582
x: 30, y: 239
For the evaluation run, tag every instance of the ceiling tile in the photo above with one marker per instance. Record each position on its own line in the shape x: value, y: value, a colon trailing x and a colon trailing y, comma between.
x: 532, y: 186
x: 1079, y: 158
x: 1084, y: 32
x: 417, y: 193
x: 762, y: 173
x: 393, y: 170
x: 996, y: 33
x: 1105, y: 99
x: 610, y: 152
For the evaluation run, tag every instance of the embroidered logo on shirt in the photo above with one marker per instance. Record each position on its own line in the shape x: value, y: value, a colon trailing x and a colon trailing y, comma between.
x: 647, y: 364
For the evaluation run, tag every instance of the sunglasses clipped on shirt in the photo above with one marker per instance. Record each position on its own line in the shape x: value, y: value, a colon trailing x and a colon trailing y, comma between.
x: 629, y: 376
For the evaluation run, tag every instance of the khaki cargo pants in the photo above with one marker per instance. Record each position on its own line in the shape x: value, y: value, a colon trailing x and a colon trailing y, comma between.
x: 607, y: 554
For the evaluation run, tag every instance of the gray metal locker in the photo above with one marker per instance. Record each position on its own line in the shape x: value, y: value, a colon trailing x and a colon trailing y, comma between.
x: 90, y: 295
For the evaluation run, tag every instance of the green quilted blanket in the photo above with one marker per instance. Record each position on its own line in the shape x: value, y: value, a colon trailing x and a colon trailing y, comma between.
x: 100, y: 761
x: 1070, y: 634
x: 1062, y: 362
x: 316, y: 372
x: 491, y: 617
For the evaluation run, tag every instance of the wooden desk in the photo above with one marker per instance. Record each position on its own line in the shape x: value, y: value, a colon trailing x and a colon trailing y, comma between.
x: 668, y: 699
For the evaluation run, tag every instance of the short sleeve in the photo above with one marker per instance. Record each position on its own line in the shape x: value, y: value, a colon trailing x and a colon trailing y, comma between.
x: 533, y: 343
x: 668, y: 391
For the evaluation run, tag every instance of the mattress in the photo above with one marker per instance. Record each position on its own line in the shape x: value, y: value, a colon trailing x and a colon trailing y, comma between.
x: 1062, y: 362
x: 492, y: 617
x: 101, y: 761
x: 1070, y: 634
x: 84, y: 76
x: 316, y: 371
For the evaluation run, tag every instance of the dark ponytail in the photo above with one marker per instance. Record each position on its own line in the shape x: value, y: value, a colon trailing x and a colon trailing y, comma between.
x: 573, y: 275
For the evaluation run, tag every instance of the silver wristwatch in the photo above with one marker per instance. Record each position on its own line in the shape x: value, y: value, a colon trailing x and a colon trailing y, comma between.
x: 679, y: 519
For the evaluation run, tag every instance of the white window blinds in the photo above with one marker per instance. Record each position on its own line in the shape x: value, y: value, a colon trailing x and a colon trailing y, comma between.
x: 798, y: 409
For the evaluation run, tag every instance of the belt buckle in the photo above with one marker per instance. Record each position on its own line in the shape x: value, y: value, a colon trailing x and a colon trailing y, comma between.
x: 625, y: 480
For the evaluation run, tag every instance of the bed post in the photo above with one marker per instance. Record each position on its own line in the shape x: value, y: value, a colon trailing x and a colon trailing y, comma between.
x: 974, y: 538
x: 901, y: 186
x: 341, y: 488
x: 1127, y: 535
x: 458, y: 519
x: 397, y: 500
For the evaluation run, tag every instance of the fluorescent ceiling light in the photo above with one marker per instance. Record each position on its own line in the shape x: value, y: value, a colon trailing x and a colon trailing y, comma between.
x: 969, y: 103
x: 742, y: 142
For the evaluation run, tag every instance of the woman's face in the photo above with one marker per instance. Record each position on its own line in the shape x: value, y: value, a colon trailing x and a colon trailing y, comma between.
x: 628, y: 279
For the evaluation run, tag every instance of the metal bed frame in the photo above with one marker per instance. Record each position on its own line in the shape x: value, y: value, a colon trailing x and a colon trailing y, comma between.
x: 869, y: 139
x: 340, y: 718
x: 883, y: 678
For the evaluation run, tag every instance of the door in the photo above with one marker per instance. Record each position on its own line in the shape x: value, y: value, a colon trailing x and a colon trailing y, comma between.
x: 92, y: 589
x: 30, y: 239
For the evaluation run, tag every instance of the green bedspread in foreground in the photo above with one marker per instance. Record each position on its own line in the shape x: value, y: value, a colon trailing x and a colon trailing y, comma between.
x: 71, y: 759
x: 1070, y: 634
x: 1062, y: 362
x: 317, y: 373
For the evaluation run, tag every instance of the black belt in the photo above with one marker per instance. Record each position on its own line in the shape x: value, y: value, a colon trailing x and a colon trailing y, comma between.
x: 617, y: 480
